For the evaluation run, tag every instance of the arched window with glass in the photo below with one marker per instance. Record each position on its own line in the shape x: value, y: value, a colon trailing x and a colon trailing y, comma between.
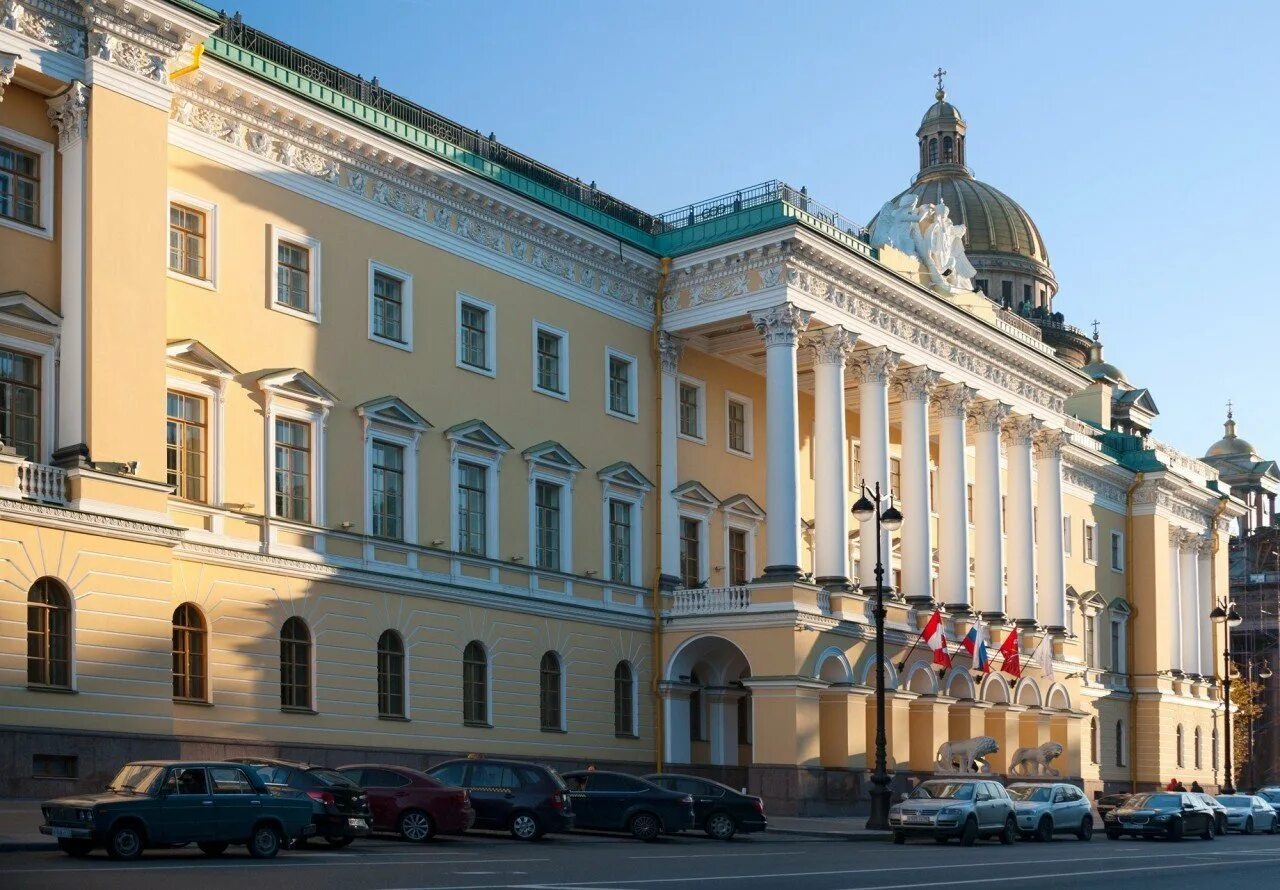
x: 295, y: 665
x: 1119, y: 743
x: 550, y: 697
x: 190, y: 654
x: 49, y: 634
x: 933, y: 151
x: 1177, y: 740
x: 948, y: 149
x: 624, y: 700
x: 475, y: 684
x: 1195, y: 751
x: 1093, y: 740
x: 391, y: 684
x: 1213, y: 747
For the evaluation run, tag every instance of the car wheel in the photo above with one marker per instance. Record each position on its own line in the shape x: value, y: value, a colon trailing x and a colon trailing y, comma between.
x: 338, y: 842
x: 75, y: 848
x: 1085, y: 832
x: 1113, y: 835
x: 1010, y: 833
x: 1248, y: 826
x: 899, y: 837
x: 1175, y: 830
x: 969, y: 834
x: 1209, y: 833
x: 525, y: 827
x: 125, y: 842
x: 213, y: 848
x: 721, y: 826
x: 416, y: 826
x: 264, y: 843
x: 1044, y: 830
x: 645, y: 826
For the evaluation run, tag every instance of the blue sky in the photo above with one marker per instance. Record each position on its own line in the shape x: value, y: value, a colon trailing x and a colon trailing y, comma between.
x: 1134, y: 134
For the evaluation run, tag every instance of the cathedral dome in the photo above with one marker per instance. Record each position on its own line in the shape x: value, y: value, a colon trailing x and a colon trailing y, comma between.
x: 1230, y: 445
x: 942, y: 110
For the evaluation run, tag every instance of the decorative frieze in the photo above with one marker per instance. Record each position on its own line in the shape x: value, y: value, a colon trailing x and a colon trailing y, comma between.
x: 875, y: 365
x: 915, y: 384
x: 54, y: 26
x: 781, y: 325
x: 831, y: 346
x: 69, y: 114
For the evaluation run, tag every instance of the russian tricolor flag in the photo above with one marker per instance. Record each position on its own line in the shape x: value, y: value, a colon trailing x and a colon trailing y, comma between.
x: 974, y: 644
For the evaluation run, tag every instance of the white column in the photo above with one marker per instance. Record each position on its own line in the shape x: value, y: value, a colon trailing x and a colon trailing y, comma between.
x: 873, y: 368
x: 722, y: 724
x: 913, y: 387
x: 69, y: 114
x: 1175, y: 599
x: 669, y: 351
x: 1051, y: 602
x: 675, y: 722
x: 830, y: 349
x: 1020, y: 516
x: 1204, y: 603
x: 1189, y: 577
x: 780, y: 326
x: 987, y: 418
x: 952, y: 404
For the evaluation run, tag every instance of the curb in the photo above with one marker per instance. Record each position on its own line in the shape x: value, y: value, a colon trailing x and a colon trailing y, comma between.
x: 833, y: 835
x: 26, y: 846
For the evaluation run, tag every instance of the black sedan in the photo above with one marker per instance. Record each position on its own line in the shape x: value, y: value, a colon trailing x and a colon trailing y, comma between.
x: 607, y: 801
x: 1109, y: 802
x: 340, y: 807
x: 1168, y: 814
x: 718, y: 810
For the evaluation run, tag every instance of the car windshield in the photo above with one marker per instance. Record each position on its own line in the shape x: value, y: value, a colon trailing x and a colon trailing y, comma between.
x: 135, y: 777
x: 1236, y: 801
x: 1155, y: 801
x: 1036, y: 793
x: 331, y: 779
x: 943, y: 791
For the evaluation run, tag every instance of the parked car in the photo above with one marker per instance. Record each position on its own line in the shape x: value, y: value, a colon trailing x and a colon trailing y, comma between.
x: 609, y: 801
x: 1247, y: 813
x: 1270, y: 794
x: 160, y: 803
x: 1219, y: 811
x: 411, y: 803
x: 967, y: 809
x: 1109, y: 802
x: 1171, y: 814
x: 1046, y: 809
x: 339, y: 807
x: 718, y: 810
x: 526, y: 799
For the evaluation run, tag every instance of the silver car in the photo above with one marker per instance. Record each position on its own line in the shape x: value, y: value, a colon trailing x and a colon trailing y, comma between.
x: 1247, y: 813
x: 967, y: 809
x: 1048, y: 808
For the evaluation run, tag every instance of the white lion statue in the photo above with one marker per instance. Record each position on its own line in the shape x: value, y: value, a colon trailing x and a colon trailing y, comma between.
x: 968, y: 756
x: 1035, y: 761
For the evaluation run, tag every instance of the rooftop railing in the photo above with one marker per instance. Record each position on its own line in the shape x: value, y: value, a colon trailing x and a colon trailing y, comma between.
x: 756, y: 196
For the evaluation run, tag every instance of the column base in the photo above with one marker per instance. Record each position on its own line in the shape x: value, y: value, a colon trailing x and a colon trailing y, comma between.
x: 958, y: 610
x: 833, y: 584
x: 781, y: 573
x: 993, y: 617
x: 668, y: 582
x: 919, y: 602
x: 1024, y: 623
x: 72, y: 456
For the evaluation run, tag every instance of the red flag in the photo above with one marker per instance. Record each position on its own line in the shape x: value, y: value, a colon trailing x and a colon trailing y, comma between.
x: 936, y: 639
x: 1011, y: 664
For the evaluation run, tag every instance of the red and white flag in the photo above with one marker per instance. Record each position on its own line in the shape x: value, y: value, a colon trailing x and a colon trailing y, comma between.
x: 1012, y: 663
x: 936, y: 639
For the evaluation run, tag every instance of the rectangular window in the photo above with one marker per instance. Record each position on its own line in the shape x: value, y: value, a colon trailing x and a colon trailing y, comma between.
x: 1026, y: 294
x: 293, y: 276
x: 188, y: 241
x: 690, y: 552
x: 1117, y: 552
x: 550, y: 361
x: 20, y: 402
x: 738, y: 418
x: 55, y: 766
x: 690, y: 410
x: 1066, y: 534
x: 1117, y: 647
x: 293, y: 470
x: 187, y: 445
x: 388, y: 307
x: 968, y: 496
x: 981, y: 284
x: 619, y: 541
x: 386, y: 484
x: 472, y: 509
x: 737, y: 557
x: 855, y: 466
x: 1006, y: 293
x: 621, y: 398
x: 895, y: 477
x: 19, y: 185
x: 473, y: 336
x: 1090, y: 543
x: 933, y: 486
x: 546, y: 506
x: 1090, y: 640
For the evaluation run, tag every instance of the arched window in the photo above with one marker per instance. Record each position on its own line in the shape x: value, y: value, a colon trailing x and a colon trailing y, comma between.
x: 1196, y: 750
x: 295, y: 665
x: 475, y: 684
x: 695, y: 709
x: 624, y: 700
x: 933, y: 151
x: 390, y: 675
x: 190, y: 654
x: 948, y: 149
x: 1177, y: 740
x: 1093, y: 740
x: 1213, y: 746
x: 550, y: 705
x: 49, y: 634
x: 1119, y: 743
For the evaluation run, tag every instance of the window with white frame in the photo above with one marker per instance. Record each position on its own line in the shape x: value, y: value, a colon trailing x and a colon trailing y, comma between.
x: 696, y: 504
x: 26, y: 183
x: 21, y: 402
x: 1090, y: 539
x: 738, y: 424
x: 548, y: 527
x: 855, y: 465
x: 297, y: 409
x: 193, y: 239
x: 392, y: 431
x: 620, y: 384
x: 295, y: 282
x: 624, y: 488
x: 550, y: 361
x: 691, y: 535
x: 739, y: 539
x: 473, y: 508
x: 1117, y: 552
x: 186, y: 444
x: 390, y: 306
x: 197, y: 381
x: 551, y: 473
x: 968, y: 500
x: 620, y: 535
x: 742, y: 521
x: 895, y: 478
x: 475, y: 457
x: 477, y: 323
x: 1066, y: 534
x: 294, y: 475
x: 386, y: 489
x: 1119, y: 645
x: 1090, y: 638
x: 692, y: 405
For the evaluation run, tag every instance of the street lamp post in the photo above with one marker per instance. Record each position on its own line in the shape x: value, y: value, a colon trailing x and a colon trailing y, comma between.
x: 867, y: 507
x: 1225, y: 615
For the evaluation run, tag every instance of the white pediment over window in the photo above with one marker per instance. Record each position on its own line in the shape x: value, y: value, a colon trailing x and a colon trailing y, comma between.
x: 477, y: 434
x: 625, y: 475
x: 22, y: 310
x: 192, y: 355
x: 552, y: 455
x: 392, y: 411
x: 695, y: 494
x: 742, y: 506
x: 296, y: 383
x: 1120, y: 607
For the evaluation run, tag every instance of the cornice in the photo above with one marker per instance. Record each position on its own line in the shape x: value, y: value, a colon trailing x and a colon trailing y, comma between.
x: 67, y: 519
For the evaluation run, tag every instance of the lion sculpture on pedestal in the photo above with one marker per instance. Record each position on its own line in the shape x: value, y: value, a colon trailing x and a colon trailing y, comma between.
x: 967, y: 756
x: 1035, y: 761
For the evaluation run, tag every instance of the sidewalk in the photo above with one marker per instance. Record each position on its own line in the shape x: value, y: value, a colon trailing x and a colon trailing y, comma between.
x: 851, y: 828
x: 20, y: 826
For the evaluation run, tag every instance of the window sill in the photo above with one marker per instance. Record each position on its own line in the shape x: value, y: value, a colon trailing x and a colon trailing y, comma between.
x: 699, y: 440
x: 313, y: 317
x: 476, y: 369
x: 554, y: 729
x: 206, y: 283
x: 562, y: 396
x: 394, y: 718
x: 402, y: 345
x: 285, y: 709
x: 477, y: 724
x: 57, y: 690
x: 743, y: 454
x: 621, y: 416
x: 626, y: 735
x: 30, y: 229
x: 194, y: 702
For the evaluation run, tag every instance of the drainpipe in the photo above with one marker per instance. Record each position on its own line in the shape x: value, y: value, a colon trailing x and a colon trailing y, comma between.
x: 659, y: 717
x: 1129, y: 631
x: 195, y: 63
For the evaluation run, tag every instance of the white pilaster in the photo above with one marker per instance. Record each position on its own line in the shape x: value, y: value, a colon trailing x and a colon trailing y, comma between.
x: 1204, y: 603
x: 914, y: 387
x: 952, y: 404
x: 873, y: 368
x: 987, y: 417
x: 670, y: 349
x: 830, y: 350
x: 1051, y: 600
x: 1020, y: 515
x: 1175, y: 598
x: 675, y: 723
x: 780, y: 327
x: 1189, y: 589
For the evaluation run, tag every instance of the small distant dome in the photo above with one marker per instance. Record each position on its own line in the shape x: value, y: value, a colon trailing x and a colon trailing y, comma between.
x: 940, y: 111
x: 1098, y: 369
x: 1230, y: 445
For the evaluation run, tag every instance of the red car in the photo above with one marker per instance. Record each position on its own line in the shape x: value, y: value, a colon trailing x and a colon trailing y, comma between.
x: 411, y: 803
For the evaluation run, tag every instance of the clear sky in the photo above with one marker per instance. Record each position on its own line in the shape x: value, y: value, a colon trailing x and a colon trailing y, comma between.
x: 1134, y: 133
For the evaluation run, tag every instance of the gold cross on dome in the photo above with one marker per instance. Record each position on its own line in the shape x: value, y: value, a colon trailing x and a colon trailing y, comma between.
x: 1095, y: 328
x: 938, y: 75
x: 1229, y: 406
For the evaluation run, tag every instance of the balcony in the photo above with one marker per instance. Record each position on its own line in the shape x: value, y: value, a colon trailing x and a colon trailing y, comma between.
x: 42, y: 483
x: 709, y: 601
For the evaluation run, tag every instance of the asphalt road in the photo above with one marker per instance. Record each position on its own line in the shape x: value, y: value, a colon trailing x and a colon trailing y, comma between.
x: 591, y: 862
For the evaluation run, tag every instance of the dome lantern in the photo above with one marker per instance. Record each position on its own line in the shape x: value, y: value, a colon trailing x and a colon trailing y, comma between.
x: 941, y: 133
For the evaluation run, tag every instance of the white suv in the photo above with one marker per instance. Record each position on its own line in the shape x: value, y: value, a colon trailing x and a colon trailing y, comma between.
x: 967, y: 809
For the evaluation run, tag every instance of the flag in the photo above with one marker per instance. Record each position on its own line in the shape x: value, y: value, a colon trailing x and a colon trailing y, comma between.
x: 1011, y: 664
x: 1044, y: 654
x: 936, y: 639
x: 975, y: 644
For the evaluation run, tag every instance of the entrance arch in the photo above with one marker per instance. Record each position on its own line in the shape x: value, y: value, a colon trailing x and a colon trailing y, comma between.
x: 709, y: 718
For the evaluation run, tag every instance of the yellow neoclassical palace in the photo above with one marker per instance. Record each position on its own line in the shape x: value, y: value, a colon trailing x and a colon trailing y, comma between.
x: 334, y: 429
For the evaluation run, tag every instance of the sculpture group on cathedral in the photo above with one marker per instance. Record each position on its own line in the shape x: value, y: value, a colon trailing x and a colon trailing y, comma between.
x: 926, y: 231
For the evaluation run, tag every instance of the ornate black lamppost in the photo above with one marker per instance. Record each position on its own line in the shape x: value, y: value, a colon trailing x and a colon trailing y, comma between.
x: 1225, y: 615
x: 867, y: 507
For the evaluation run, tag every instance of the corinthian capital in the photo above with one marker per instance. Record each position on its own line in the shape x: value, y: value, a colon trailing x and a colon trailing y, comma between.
x: 953, y: 400
x: 1020, y: 429
x: 875, y: 365
x: 8, y: 66
x: 670, y: 348
x: 781, y: 325
x: 988, y: 416
x: 1049, y: 444
x: 69, y: 114
x: 831, y: 346
x: 915, y: 384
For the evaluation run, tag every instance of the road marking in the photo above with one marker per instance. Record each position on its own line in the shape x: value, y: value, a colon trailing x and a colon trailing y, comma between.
x: 721, y: 855
x: 204, y: 865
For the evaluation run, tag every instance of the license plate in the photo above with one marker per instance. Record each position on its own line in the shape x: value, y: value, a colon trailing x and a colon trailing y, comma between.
x: 356, y: 823
x: 918, y: 820
x: 62, y: 832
